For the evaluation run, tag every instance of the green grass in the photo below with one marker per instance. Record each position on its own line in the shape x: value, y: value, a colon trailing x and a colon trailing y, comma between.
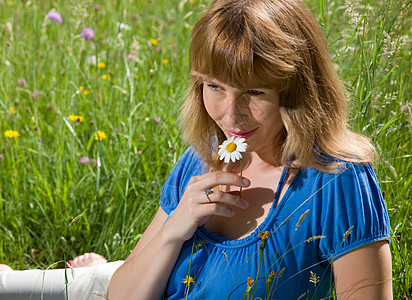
x: 43, y: 186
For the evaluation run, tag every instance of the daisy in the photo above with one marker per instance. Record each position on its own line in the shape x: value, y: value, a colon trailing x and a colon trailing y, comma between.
x: 231, y: 148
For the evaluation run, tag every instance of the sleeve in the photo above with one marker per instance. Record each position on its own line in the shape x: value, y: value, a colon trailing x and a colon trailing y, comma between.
x: 353, y: 211
x: 189, y: 165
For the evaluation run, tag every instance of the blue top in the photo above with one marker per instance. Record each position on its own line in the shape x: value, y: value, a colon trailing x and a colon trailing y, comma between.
x: 321, y: 217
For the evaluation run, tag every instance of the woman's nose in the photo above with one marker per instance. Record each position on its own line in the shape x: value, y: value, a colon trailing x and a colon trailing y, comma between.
x: 236, y: 110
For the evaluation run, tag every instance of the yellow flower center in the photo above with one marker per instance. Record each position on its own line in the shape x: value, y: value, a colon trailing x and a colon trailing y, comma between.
x: 231, y: 147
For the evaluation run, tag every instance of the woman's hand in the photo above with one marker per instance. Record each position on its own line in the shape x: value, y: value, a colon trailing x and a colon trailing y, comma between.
x: 196, y: 210
x: 153, y: 258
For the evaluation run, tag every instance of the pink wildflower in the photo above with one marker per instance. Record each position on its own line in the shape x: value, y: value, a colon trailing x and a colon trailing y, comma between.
x: 21, y: 82
x: 130, y: 57
x: 88, y: 34
x: 55, y: 16
x: 35, y: 95
x: 84, y: 160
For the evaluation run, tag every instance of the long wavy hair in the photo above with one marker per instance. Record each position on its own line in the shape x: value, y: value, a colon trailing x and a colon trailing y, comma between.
x: 281, y: 43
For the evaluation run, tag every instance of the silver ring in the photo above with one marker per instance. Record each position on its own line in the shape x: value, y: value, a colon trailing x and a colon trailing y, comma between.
x: 207, y: 192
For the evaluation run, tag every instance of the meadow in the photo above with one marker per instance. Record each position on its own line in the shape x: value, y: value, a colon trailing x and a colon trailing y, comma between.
x: 89, y: 130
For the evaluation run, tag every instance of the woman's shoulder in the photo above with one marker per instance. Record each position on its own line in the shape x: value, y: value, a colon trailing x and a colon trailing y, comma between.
x: 348, y: 204
x: 333, y: 169
x: 352, y: 183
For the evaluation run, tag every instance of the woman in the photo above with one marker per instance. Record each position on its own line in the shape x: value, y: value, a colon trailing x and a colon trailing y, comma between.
x: 310, y: 217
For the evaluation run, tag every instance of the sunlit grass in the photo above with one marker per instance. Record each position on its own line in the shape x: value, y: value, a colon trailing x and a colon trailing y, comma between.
x: 129, y: 83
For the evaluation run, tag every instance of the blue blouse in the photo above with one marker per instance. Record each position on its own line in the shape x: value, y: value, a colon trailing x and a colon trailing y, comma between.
x: 321, y: 217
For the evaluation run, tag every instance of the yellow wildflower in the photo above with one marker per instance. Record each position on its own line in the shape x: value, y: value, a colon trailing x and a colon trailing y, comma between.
x: 11, y: 134
x: 187, y: 26
x: 100, y: 135
x: 101, y: 65
x: 86, y: 92
x: 270, y: 279
x: 104, y: 77
x: 189, y: 280
x: 249, y: 285
x: 264, y: 235
x: 11, y: 110
x: 250, y: 281
x: 81, y: 88
x: 165, y: 62
x: 153, y: 41
x: 76, y: 118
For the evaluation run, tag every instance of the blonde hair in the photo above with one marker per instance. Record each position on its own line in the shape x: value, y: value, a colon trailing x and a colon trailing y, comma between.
x: 281, y: 43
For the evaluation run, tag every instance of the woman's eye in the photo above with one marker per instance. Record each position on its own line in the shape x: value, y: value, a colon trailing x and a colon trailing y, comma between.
x: 255, y: 92
x: 214, y: 87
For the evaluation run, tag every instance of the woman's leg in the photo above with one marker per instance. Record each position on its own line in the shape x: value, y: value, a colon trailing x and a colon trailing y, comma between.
x: 81, y: 283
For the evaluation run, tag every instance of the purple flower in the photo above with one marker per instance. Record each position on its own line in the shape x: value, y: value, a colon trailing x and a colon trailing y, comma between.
x: 84, y: 160
x: 35, y: 95
x: 55, y: 16
x: 157, y: 120
x: 21, y: 82
x: 87, y: 34
x: 130, y: 57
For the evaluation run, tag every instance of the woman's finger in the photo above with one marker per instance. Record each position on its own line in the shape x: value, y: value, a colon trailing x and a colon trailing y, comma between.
x: 213, y: 179
x: 220, y: 197
x: 218, y: 210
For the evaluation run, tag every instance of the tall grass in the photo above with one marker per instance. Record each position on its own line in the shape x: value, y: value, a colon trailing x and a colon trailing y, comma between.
x: 53, y: 207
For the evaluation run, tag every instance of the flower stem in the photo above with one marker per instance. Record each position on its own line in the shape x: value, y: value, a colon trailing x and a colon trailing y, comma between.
x: 190, y: 265
x: 240, y: 191
x: 258, y: 271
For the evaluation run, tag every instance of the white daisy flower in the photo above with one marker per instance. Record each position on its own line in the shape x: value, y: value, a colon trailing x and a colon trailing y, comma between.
x: 231, y: 148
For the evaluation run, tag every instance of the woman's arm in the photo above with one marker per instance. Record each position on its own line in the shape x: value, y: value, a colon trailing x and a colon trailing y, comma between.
x: 145, y: 273
x: 364, y: 273
x: 153, y: 252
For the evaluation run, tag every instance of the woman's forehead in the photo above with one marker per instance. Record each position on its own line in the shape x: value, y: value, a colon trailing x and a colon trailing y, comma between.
x: 255, y: 82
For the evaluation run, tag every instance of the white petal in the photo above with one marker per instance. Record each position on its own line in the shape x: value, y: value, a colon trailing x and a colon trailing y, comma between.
x: 232, y: 156
x: 241, y: 148
x: 227, y: 158
x: 236, y: 155
x: 223, y: 145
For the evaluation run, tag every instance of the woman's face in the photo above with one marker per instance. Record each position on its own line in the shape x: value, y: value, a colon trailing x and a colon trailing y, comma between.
x: 252, y: 113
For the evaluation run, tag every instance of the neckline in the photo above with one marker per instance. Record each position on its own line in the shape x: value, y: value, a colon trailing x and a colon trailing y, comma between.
x: 222, y: 242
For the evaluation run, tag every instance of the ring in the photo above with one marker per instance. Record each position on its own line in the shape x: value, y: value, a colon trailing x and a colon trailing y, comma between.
x: 207, y: 192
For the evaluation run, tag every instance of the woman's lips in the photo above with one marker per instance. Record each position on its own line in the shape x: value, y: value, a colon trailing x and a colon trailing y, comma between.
x: 242, y: 134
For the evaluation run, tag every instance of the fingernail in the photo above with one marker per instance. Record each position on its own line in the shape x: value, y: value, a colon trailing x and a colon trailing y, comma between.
x: 244, y: 203
x: 246, y: 181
